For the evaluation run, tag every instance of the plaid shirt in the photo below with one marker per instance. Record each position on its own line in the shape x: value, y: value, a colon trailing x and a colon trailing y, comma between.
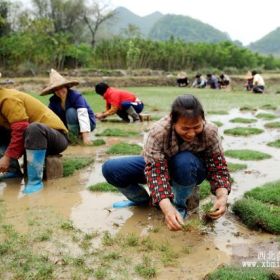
x: 163, y: 142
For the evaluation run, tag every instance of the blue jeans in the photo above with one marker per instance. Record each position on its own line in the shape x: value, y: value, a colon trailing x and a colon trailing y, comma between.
x: 127, y: 174
x: 73, y: 121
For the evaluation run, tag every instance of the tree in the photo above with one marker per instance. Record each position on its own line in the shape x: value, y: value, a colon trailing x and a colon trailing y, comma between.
x: 4, y: 22
x: 66, y: 15
x: 94, y: 15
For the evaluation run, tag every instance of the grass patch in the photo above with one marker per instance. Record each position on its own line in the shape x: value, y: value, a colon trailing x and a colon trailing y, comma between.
x: 275, y: 144
x: 124, y: 149
x: 272, y: 125
x: 192, y: 225
x: 266, y: 116
x: 243, y: 131
x: 258, y: 215
x: 243, y: 120
x: 240, y: 273
x: 70, y: 165
x: 268, y: 193
x: 234, y: 167
x: 98, y: 142
x: 217, y: 112
x: 247, y: 108
x: 103, y: 187
x: 217, y: 123
x: 246, y: 154
x: 146, y: 269
x: 268, y: 107
x: 204, y: 189
x: 117, y: 132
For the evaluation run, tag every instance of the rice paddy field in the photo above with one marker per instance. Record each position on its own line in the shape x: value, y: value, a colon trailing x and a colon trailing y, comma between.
x: 70, y: 230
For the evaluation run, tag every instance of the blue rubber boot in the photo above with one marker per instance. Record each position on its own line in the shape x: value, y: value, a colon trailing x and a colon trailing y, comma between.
x: 181, y: 194
x: 35, y: 166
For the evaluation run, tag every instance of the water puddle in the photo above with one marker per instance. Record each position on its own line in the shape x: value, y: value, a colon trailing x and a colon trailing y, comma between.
x: 93, y: 211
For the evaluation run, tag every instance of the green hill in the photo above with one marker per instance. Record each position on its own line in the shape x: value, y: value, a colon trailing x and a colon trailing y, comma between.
x: 157, y: 26
x: 269, y: 44
x: 186, y: 28
x: 124, y: 17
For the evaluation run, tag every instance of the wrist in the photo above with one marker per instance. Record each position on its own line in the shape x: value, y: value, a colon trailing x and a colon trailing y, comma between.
x: 165, y: 205
x: 222, y: 193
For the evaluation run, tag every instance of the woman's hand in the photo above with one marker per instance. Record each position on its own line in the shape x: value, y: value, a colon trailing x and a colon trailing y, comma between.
x: 100, y: 116
x: 220, y: 205
x: 173, y: 218
x: 4, y: 163
x: 86, y: 138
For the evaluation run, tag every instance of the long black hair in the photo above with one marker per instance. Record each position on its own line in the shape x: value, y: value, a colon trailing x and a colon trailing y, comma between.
x: 187, y: 106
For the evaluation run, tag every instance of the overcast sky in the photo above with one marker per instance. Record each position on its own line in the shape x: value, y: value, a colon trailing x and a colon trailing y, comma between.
x: 243, y: 20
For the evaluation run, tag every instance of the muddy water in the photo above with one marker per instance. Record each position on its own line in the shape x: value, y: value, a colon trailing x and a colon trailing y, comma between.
x: 93, y: 211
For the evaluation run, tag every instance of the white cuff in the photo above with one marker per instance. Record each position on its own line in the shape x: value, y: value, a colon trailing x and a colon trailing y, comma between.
x: 83, y: 118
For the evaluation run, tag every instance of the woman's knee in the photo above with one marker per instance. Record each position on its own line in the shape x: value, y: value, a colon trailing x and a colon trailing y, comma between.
x: 186, y: 168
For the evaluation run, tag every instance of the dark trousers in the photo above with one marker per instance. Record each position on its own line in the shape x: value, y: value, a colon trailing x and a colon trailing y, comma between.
x: 37, y: 136
x: 127, y: 174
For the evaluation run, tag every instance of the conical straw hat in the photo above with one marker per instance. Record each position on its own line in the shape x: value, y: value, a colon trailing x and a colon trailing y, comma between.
x: 249, y: 75
x: 57, y: 81
x: 182, y: 75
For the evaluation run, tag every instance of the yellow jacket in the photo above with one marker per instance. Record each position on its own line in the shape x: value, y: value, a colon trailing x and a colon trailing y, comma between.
x: 16, y: 106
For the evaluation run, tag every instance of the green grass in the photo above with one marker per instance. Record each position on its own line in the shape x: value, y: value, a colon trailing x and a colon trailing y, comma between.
x: 268, y: 193
x: 275, y: 144
x: 268, y: 107
x: 217, y: 123
x: 240, y: 273
x: 243, y: 131
x: 230, y: 100
x: 258, y: 215
x: 204, y: 189
x: 124, y: 149
x: 272, y: 125
x: 103, y: 187
x: 234, y: 167
x: 217, y: 112
x: 146, y: 269
x: 246, y: 154
x: 243, y: 120
x: 98, y: 142
x: 117, y: 132
x: 247, y: 108
x: 70, y: 165
x: 266, y: 116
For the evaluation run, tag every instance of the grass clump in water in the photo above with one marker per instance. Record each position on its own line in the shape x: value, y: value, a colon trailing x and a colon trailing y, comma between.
x: 192, y: 225
x: 275, y: 144
x: 266, y: 116
x: 117, y: 132
x: 243, y: 131
x: 234, y: 167
x: 98, y: 142
x: 124, y: 149
x: 241, y: 273
x: 272, y: 125
x: 267, y: 193
x: 103, y: 187
x: 217, y: 123
x: 258, y: 215
x: 246, y: 154
x: 243, y: 120
x: 70, y: 165
x: 146, y: 268
x: 268, y: 107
